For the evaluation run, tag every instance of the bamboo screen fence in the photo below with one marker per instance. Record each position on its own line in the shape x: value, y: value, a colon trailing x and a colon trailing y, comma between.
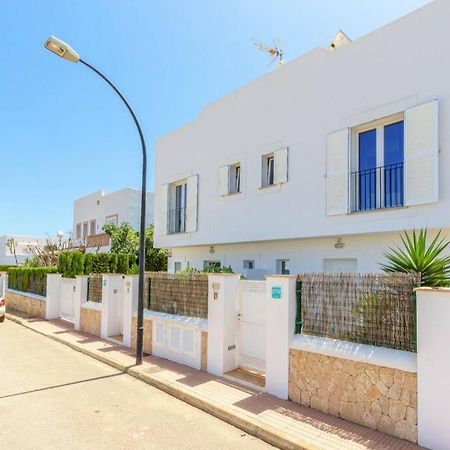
x: 375, y: 309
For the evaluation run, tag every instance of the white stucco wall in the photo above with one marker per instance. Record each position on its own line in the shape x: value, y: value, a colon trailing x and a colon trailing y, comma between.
x: 297, y: 105
x: 97, y: 206
x: 304, y: 255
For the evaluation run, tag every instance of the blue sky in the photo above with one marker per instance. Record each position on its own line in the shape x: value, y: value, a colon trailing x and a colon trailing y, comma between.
x: 64, y: 133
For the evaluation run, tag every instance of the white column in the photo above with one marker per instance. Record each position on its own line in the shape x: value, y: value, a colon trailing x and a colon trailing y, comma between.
x: 52, y: 305
x: 280, y: 327
x: 80, y: 296
x: 111, y: 305
x: 222, y: 322
x: 130, y: 300
x: 433, y: 367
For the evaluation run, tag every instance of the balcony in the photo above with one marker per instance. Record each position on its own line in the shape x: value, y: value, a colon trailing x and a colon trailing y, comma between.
x: 377, y: 188
x: 177, y: 220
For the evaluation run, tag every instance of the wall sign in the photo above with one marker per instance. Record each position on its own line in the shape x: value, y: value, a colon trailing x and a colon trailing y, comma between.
x: 276, y: 291
x: 216, y: 289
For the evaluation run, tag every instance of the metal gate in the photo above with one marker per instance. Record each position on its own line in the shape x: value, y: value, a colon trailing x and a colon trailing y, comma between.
x: 67, y: 299
x: 252, y: 325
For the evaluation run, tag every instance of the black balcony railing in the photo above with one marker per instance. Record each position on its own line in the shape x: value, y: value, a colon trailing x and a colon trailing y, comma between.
x: 377, y: 188
x: 177, y: 220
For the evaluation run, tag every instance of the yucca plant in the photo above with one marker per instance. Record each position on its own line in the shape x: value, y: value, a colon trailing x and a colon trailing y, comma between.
x: 417, y: 256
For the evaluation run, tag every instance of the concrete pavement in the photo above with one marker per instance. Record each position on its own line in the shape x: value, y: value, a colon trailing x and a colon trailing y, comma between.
x: 53, y: 398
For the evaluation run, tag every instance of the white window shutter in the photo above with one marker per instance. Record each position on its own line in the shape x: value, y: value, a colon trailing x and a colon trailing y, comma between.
x: 421, y: 154
x: 281, y: 165
x: 163, y: 207
x: 192, y: 202
x: 224, y: 176
x: 337, y: 172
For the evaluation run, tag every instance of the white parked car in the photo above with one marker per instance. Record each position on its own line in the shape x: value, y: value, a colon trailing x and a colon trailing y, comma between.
x: 2, y: 309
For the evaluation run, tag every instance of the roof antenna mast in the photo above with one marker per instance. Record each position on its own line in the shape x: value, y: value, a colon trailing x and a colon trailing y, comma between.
x: 275, y: 52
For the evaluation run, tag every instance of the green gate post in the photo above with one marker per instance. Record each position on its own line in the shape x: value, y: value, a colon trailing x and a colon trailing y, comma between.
x: 298, y: 317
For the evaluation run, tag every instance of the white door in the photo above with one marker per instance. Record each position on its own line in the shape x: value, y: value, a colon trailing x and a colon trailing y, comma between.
x: 67, y: 299
x: 340, y: 265
x: 252, y: 325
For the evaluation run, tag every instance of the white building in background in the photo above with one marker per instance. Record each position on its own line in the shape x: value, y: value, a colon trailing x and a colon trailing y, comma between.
x: 321, y: 163
x: 20, y: 245
x: 93, y: 211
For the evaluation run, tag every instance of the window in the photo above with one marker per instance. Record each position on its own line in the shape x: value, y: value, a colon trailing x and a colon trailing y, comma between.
x: 235, y: 178
x: 92, y: 227
x: 249, y: 264
x: 114, y: 219
x: 177, y: 212
x: 377, y: 178
x: 177, y: 267
x: 268, y: 170
x: 85, y: 229
x: 282, y: 268
x: 78, y: 231
x: 211, y: 264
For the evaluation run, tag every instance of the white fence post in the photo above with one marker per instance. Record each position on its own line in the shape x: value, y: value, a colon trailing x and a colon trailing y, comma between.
x: 280, y: 327
x: 112, y: 314
x: 52, y: 305
x: 130, y: 300
x: 222, y: 322
x: 3, y: 284
x: 433, y: 367
x: 80, y: 296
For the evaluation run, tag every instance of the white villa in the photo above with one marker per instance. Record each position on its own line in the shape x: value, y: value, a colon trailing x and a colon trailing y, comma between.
x: 93, y: 211
x: 15, y: 249
x: 318, y: 165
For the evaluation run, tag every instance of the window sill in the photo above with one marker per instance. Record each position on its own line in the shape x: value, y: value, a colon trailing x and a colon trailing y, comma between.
x: 375, y: 210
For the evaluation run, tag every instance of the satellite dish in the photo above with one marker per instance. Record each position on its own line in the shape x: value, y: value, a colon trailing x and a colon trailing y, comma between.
x: 339, y: 40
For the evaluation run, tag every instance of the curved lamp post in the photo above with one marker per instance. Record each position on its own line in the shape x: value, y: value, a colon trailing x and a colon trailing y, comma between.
x: 65, y: 51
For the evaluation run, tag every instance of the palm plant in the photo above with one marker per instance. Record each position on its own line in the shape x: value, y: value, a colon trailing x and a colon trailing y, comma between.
x: 416, y: 256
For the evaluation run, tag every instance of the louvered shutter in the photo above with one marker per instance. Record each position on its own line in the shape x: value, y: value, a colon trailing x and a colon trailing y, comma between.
x: 192, y: 202
x: 224, y: 176
x: 421, y: 154
x: 337, y: 172
x: 281, y: 166
x: 163, y: 207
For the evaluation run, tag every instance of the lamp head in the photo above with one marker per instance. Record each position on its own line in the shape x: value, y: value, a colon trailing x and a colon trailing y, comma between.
x: 61, y: 49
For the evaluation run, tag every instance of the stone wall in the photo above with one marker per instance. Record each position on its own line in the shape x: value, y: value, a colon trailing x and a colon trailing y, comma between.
x: 378, y: 397
x: 90, y: 321
x: 147, y: 335
x: 32, y: 306
x: 204, y: 351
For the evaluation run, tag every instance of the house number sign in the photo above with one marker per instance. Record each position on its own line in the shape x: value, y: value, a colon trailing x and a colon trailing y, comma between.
x: 216, y: 289
x: 276, y: 291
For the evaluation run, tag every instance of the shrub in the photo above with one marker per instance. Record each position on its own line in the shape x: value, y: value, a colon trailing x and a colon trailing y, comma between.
x: 77, y: 265
x: 415, y: 256
x: 100, y: 263
x: 123, y: 263
x: 88, y: 263
x: 112, y: 263
x: 29, y: 279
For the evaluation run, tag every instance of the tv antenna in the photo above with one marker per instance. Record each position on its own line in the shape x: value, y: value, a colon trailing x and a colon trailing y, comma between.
x: 275, y: 51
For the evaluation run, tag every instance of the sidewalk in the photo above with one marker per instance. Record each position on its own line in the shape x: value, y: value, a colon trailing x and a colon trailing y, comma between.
x: 281, y: 423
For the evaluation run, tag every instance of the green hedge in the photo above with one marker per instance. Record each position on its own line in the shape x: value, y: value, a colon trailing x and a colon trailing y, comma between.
x: 72, y: 263
x: 5, y: 268
x: 29, y: 279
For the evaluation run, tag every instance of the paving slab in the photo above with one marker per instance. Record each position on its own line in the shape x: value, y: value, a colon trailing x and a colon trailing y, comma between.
x: 279, y: 422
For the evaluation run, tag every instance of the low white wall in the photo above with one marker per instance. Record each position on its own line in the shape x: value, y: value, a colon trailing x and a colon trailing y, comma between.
x: 379, y: 356
x: 177, y: 338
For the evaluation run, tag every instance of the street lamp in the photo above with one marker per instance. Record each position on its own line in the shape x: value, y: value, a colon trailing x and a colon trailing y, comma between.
x: 65, y: 51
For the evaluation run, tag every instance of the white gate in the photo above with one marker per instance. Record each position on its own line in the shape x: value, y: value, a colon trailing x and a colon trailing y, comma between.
x: 67, y: 306
x: 252, y: 325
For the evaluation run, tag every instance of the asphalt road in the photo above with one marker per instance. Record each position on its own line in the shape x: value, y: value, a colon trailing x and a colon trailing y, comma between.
x: 52, y: 397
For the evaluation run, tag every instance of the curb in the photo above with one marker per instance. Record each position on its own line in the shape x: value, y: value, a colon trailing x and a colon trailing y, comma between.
x: 248, y: 424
